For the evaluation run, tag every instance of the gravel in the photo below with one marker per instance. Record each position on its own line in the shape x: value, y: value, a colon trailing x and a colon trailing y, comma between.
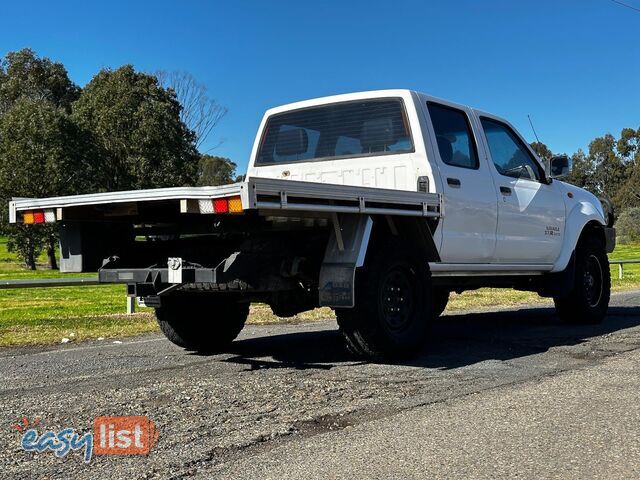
x: 283, y: 389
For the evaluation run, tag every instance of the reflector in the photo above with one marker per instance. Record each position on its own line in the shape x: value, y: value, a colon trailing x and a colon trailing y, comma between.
x: 49, y: 216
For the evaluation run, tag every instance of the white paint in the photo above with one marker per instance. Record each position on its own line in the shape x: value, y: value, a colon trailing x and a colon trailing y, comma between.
x: 480, y: 225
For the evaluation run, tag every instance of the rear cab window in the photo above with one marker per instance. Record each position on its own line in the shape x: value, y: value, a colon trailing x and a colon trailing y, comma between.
x: 453, y: 136
x: 361, y: 128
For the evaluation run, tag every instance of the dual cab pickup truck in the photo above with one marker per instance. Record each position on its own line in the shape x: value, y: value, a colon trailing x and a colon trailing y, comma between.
x: 376, y: 204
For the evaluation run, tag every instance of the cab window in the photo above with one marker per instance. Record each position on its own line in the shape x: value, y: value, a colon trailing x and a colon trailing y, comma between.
x: 509, y: 154
x: 453, y: 135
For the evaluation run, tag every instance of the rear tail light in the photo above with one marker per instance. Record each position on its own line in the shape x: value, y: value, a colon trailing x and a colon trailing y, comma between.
x: 31, y: 217
x: 235, y: 205
x: 220, y: 205
x: 227, y: 205
x: 38, y: 217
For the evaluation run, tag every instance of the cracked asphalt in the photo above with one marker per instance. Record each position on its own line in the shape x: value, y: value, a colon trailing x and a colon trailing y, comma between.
x: 495, y: 394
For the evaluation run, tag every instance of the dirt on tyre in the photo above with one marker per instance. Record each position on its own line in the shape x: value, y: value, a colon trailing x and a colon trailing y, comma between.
x: 201, y: 322
x: 393, y: 306
x: 589, y: 300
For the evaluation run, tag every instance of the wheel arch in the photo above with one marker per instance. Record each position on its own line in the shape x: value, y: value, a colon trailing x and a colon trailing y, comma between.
x: 584, y: 219
x: 417, y: 232
x: 356, y: 238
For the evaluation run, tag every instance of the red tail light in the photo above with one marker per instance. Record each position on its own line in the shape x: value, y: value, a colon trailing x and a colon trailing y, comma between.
x: 220, y: 205
x: 38, y: 216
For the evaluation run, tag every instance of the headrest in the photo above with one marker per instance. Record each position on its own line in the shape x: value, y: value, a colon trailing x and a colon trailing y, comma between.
x: 292, y: 141
x: 377, y: 132
x: 445, y: 148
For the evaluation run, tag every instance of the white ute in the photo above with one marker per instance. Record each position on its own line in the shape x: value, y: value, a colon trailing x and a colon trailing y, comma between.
x: 377, y: 204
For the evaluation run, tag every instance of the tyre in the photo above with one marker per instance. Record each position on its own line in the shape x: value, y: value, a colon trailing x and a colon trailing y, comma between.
x: 201, y: 322
x: 589, y: 300
x: 393, y: 305
x: 440, y: 301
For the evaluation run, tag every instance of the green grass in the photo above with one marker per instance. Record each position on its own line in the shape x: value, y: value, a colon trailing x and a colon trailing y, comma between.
x: 33, y: 316
x: 37, y: 316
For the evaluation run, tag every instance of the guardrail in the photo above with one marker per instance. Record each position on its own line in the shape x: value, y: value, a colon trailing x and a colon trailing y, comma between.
x: 620, y: 264
x: 48, y: 282
x: 61, y: 282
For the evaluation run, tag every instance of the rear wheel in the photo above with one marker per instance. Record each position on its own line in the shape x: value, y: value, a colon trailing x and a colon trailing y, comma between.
x: 589, y: 300
x: 440, y: 301
x: 392, y: 306
x: 201, y: 322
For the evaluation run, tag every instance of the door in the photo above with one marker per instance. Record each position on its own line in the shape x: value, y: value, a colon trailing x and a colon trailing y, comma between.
x: 531, y: 211
x: 470, y: 201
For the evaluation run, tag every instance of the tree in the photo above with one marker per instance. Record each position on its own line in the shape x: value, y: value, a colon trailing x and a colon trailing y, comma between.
x: 136, y: 126
x: 608, y: 168
x: 628, y: 224
x: 542, y: 150
x: 628, y: 145
x: 199, y: 112
x: 582, y: 171
x: 629, y: 194
x: 24, y: 74
x: 216, y: 170
x: 42, y: 153
x: 27, y: 241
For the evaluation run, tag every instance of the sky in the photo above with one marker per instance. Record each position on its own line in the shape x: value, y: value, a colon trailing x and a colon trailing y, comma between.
x: 572, y: 65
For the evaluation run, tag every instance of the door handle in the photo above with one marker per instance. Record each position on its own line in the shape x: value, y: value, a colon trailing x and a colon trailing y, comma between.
x: 505, y: 190
x: 453, y: 182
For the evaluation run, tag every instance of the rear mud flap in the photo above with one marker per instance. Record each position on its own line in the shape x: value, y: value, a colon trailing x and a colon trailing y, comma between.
x: 345, y: 252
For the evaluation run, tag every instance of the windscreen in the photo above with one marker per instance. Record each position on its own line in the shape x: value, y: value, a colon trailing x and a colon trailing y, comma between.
x: 338, y: 130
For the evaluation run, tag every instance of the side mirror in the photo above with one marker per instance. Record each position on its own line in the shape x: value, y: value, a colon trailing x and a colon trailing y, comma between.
x: 559, y: 166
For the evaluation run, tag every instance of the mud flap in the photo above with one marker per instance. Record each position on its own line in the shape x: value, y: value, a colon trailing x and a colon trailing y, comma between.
x: 345, y: 252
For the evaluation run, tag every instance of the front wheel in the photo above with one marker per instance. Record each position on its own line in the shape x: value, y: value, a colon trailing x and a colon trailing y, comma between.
x: 201, y: 322
x: 589, y: 300
x: 393, y: 306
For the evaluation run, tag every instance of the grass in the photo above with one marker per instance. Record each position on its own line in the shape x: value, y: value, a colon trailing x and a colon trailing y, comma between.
x: 38, y: 316
x: 35, y: 316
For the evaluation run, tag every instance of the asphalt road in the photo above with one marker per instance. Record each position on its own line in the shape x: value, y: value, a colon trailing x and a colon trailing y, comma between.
x: 509, y: 394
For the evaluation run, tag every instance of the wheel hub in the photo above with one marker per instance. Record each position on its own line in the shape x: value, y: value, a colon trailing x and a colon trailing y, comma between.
x: 593, y: 281
x: 397, y: 300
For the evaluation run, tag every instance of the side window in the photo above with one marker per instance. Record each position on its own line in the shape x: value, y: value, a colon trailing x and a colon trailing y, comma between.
x: 509, y: 155
x: 453, y: 134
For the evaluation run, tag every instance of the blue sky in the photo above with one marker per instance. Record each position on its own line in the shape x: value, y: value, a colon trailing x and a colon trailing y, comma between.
x: 573, y: 65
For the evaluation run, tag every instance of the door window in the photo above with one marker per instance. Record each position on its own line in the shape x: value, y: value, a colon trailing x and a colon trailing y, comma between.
x: 510, y: 156
x: 453, y: 134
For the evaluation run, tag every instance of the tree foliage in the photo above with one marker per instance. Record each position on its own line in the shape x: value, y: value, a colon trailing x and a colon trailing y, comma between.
x: 24, y: 74
x: 628, y: 225
x: 136, y: 127
x: 42, y: 154
x: 122, y: 131
x: 542, y: 150
x: 610, y: 168
x: 582, y: 172
x: 216, y: 171
x: 37, y: 141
